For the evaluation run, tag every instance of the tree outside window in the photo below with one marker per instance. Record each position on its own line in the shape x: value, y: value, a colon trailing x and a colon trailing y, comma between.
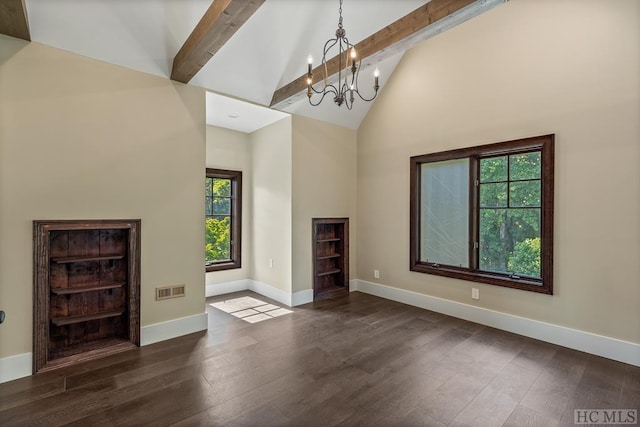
x: 485, y: 214
x: 222, y: 219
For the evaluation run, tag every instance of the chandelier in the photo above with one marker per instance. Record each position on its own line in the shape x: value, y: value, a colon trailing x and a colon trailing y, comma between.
x: 346, y: 88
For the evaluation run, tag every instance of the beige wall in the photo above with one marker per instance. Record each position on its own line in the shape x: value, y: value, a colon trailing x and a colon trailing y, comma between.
x: 228, y: 149
x: 271, y: 201
x: 525, y: 68
x: 83, y: 139
x: 294, y: 170
x: 324, y: 185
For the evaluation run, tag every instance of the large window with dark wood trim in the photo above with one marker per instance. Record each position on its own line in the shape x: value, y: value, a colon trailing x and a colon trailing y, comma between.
x: 485, y: 214
x: 223, y: 218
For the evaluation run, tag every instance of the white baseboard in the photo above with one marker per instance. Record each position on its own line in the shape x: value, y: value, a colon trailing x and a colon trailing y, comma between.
x: 286, y: 298
x: 14, y: 367
x: 271, y: 292
x: 301, y: 297
x: 173, y: 328
x: 227, y: 287
x: 18, y: 366
x: 611, y: 348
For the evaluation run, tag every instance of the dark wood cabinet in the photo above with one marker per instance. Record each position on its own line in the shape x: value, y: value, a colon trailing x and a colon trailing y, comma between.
x: 330, y: 257
x: 86, y: 290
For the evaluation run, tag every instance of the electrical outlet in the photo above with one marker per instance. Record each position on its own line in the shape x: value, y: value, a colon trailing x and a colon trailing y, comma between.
x: 376, y: 274
x: 475, y: 293
x: 270, y: 262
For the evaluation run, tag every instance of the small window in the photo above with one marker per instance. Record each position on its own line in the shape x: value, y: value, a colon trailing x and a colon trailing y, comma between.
x: 223, y: 218
x: 485, y: 214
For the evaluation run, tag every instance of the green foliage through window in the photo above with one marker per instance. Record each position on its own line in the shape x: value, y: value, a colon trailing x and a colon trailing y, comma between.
x: 223, y: 219
x: 510, y: 196
x: 218, y: 219
x: 485, y: 213
x: 218, y: 239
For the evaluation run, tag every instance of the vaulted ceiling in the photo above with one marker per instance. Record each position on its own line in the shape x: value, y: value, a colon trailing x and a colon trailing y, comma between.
x: 251, y: 50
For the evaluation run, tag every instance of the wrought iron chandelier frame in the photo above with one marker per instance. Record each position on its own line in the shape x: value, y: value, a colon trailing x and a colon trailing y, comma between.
x: 343, y: 92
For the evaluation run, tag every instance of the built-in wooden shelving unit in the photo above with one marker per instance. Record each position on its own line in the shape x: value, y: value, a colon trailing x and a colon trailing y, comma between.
x: 330, y: 257
x: 86, y: 290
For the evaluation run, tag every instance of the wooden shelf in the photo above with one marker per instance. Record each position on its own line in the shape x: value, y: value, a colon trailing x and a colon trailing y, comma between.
x: 70, y: 259
x: 328, y: 272
x: 329, y: 256
x: 81, y: 289
x: 69, y: 320
x: 336, y: 239
x: 86, y: 351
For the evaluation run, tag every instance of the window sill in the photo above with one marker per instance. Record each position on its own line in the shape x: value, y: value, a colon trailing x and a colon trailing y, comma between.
x: 220, y: 266
x: 525, y: 284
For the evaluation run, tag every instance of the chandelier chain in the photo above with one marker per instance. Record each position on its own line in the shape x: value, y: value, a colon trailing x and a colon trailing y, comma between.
x: 340, y: 14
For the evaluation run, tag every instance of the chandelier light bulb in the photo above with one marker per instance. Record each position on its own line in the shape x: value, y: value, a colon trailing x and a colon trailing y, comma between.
x: 376, y: 85
x: 309, y: 70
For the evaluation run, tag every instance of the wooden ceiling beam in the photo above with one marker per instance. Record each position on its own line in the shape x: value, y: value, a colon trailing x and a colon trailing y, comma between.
x: 396, y: 37
x: 13, y: 19
x: 219, y: 23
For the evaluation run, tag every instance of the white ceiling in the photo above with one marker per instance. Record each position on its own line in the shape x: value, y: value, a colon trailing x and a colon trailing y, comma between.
x: 242, y: 116
x: 267, y: 52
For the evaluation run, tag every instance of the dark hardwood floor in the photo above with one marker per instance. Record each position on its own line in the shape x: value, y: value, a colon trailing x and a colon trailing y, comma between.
x: 354, y: 360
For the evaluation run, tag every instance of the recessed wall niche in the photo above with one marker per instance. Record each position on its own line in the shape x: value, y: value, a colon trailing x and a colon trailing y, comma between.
x: 86, y: 300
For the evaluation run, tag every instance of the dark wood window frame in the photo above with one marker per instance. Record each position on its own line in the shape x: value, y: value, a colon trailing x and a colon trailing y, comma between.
x: 545, y: 145
x: 236, y: 220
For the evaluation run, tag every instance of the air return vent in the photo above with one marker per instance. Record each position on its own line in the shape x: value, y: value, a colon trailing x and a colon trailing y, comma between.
x: 169, y: 292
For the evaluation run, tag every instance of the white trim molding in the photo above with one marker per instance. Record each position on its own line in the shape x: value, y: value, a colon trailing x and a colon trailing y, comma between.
x: 14, y: 367
x: 611, y: 348
x: 173, y: 328
x: 19, y: 366
x: 269, y: 291
x: 272, y: 292
x: 301, y: 297
x: 227, y: 287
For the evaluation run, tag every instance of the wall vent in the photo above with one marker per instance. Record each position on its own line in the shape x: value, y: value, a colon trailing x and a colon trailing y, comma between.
x: 170, y: 292
x: 177, y: 291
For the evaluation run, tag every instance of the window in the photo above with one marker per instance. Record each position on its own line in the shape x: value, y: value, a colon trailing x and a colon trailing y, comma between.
x: 223, y: 217
x: 485, y: 214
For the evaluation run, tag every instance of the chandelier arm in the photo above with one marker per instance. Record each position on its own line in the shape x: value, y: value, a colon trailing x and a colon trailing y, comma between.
x: 327, y: 88
x: 354, y: 78
x: 319, y: 101
x: 348, y: 103
x: 357, y: 75
x: 357, y: 91
x: 340, y: 52
x: 326, y: 72
x: 344, y: 87
x: 366, y: 99
x: 327, y: 47
x: 349, y: 45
